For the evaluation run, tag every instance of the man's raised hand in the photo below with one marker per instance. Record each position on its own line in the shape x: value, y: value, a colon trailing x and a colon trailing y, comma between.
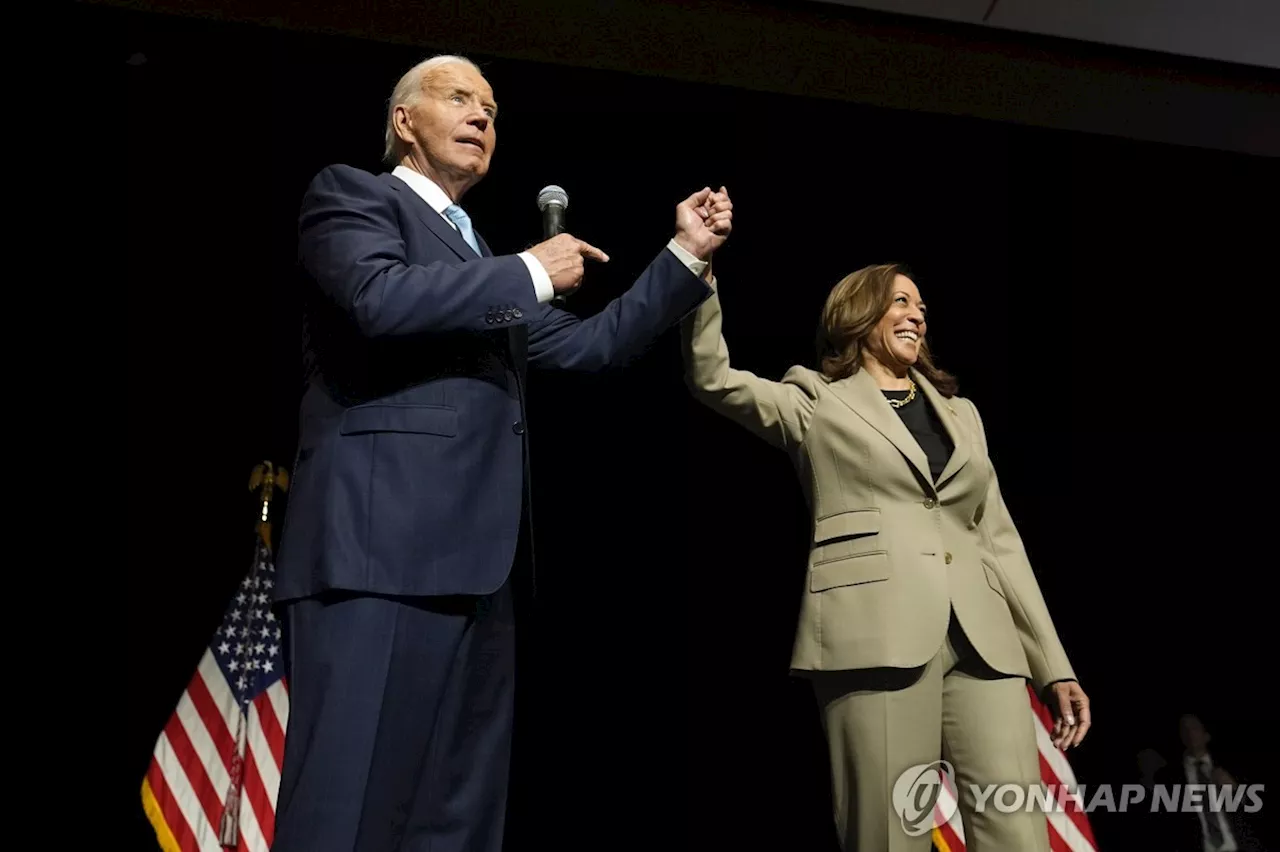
x: 704, y: 221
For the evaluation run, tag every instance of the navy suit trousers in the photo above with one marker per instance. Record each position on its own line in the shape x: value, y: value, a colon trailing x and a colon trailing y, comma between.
x: 401, y: 721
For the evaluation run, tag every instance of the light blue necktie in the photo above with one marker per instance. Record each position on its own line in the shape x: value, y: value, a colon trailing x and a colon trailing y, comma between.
x: 459, y: 217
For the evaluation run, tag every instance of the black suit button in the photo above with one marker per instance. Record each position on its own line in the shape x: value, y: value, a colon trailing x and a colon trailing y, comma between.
x: 518, y: 427
x: 516, y: 313
x: 508, y: 315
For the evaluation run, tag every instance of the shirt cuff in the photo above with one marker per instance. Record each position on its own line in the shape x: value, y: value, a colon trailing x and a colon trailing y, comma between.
x: 541, y: 280
x: 697, y: 267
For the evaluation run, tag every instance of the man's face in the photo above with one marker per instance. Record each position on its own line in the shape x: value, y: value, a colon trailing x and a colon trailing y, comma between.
x: 451, y: 124
x: 1194, y: 736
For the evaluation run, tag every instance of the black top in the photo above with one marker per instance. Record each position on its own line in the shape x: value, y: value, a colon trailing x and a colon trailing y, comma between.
x: 923, y: 424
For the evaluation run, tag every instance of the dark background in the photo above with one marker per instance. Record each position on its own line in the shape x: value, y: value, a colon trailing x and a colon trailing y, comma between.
x: 1097, y: 296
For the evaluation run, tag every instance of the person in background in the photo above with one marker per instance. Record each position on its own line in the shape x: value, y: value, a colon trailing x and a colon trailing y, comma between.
x: 1207, y: 830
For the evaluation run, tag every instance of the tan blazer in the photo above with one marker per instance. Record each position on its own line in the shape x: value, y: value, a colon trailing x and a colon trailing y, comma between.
x: 891, y: 553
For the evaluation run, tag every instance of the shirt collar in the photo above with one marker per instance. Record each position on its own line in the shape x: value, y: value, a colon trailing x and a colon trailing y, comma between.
x: 427, y: 189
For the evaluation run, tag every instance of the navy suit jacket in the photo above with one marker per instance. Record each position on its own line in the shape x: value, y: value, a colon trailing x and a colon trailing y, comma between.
x: 410, y: 470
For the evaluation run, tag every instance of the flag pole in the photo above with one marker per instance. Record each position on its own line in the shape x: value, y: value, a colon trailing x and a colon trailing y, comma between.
x: 265, y: 479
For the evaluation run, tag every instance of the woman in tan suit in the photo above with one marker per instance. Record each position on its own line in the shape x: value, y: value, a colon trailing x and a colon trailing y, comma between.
x: 920, y: 617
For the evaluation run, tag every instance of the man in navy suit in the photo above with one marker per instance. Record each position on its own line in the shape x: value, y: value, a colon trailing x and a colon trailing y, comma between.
x: 408, y: 511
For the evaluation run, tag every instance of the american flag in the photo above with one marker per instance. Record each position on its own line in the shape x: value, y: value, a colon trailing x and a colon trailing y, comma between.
x: 211, y: 785
x: 1069, y: 829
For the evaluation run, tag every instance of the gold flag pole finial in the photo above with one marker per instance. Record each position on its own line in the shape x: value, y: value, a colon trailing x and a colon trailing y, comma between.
x: 267, y: 478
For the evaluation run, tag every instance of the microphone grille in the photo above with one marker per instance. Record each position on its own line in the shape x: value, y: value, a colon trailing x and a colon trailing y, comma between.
x: 552, y: 195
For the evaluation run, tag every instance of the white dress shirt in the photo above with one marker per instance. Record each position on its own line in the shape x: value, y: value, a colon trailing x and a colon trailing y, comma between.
x: 436, y: 198
x: 1228, y: 843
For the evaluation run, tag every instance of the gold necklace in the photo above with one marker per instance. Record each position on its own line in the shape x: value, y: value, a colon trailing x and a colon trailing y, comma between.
x: 911, y: 394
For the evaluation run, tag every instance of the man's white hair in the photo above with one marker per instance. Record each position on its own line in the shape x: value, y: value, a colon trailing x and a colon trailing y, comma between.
x: 407, y: 92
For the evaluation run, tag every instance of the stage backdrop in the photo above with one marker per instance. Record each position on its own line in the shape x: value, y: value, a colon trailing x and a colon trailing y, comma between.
x: 1095, y: 296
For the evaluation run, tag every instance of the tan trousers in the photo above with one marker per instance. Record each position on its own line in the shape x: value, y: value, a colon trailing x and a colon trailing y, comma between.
x: 880, y: 722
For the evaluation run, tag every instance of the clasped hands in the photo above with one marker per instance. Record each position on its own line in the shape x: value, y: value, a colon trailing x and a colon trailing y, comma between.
x: 703, y: 223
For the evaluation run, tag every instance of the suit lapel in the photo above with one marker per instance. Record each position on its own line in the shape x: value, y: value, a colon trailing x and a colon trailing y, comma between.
x: 517, y: 337
x: 951, y: 422
x: 435, y: 222
x: 861, y: 394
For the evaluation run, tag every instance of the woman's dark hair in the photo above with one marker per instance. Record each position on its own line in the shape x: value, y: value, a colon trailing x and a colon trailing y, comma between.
x: 853, y: 308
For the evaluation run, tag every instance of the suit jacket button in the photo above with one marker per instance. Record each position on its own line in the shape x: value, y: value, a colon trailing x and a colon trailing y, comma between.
x: 516, y: 313
x: 507, y: 316
x: 518, y: 427
x: 947, y: 559
x: 929, y: 503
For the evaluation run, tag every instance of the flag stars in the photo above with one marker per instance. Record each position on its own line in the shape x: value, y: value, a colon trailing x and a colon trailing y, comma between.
x: 248, y: 644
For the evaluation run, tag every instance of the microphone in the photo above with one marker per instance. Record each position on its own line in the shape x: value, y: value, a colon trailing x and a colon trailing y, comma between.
x: 553, y: 201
